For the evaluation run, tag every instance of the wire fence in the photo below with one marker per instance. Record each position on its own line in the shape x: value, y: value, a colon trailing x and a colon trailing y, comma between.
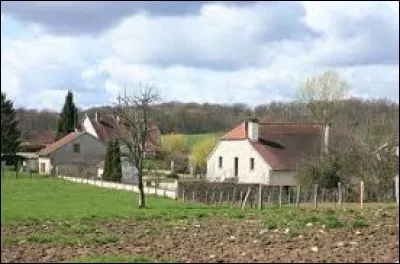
x: 252, y: 195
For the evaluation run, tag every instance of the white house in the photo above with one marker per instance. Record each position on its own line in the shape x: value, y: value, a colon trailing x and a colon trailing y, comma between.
x: 75, y: 150
x: 265, y: 153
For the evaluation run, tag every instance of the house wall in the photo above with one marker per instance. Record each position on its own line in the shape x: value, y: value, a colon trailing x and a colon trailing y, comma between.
x: 92, y: 151
x: 129, y: 171
x: 284, y: 178
x: 100, y: 172
x: 75, y: 170
x: 32, y: 164
x: 47, y: 165
x: 242, y: 149
x: 89, y: 127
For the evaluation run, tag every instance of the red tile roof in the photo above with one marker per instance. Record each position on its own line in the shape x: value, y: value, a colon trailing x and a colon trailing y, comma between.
x: 107, y: 128
x: 59, y: 143
x: 282, y: 145
x: 238, y: 132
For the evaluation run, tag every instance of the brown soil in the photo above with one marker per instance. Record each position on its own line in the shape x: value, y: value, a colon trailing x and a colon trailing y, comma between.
x: 220, y: 241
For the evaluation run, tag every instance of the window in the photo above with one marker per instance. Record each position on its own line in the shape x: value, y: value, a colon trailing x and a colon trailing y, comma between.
x: 251, y: 163
x: 220, y: 162
x: 236, y: 166
x: 77, y: 148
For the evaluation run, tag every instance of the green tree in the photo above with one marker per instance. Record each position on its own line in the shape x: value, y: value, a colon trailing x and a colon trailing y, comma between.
x: 201, y: 151
x: 112, y: 163
x: 324, y: 172
x: 10, y: 135
x: 117, y: 171
x: 108, y: 162
x: 174, y: 144
x: 68, y: 117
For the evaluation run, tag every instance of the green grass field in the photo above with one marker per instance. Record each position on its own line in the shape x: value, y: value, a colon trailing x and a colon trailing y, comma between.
x: 40, y: 198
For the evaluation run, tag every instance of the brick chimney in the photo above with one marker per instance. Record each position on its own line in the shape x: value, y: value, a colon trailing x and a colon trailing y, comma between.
x: 252, y: 129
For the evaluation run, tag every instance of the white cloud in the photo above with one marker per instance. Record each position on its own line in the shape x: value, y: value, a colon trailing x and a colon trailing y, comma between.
x: 225, y: 54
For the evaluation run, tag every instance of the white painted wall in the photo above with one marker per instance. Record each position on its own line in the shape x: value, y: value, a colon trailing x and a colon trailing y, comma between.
x: 242, y: 149
x: 284, y: 178
x: 89, y: 127
x: 47, y: 164
x: 100, y: 172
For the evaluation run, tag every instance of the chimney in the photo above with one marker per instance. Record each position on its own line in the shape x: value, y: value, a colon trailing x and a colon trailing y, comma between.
x: 252, y: 129
x: 326, y: 137
x: 96, y: 117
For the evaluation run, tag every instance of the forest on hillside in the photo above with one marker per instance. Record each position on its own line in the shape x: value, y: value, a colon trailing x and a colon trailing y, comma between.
x: 379, y: 117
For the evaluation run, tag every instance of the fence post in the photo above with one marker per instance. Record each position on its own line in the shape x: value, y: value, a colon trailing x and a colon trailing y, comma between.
x: 340, y: 195
x: 193, y: 196
x: 396, y: 186
x: 241, y: 198
x: 315, y: 195
x: 220, y: 197
x: 298, y: 196
x: 280, y: 196
x: 183, y: 195
x: 260, y: 196
x: 361, y: 193
x: 245, y: 198
x: 233, y: 196
x: 212, y: 197
x: 206, y: 196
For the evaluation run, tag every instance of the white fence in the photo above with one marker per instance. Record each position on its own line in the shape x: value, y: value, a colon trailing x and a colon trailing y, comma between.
x: 170, y: 191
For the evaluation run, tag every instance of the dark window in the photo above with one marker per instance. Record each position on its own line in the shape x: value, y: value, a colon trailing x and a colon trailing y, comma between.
x: 251, y: 163
x: 236, y: 166
x: 220, y: 162
x: 77, y: 148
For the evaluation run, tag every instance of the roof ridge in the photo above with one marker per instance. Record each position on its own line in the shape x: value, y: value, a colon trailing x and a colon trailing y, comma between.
x: 50, y: 146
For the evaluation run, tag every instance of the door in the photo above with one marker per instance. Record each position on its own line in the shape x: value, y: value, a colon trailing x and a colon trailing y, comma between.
x: 42, y: 167
x: 236, y: 166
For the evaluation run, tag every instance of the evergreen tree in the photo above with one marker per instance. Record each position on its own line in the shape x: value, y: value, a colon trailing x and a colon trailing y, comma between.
x: 117, y: 162
x: 68, y: 117
x: 112, y: 162
x: 10, y: 135
x: 107, y: 163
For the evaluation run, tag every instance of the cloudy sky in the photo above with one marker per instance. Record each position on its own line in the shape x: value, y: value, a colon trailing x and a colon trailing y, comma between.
x: 217, y: 52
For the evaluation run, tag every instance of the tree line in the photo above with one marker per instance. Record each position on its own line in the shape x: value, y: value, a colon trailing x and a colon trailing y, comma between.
x: 381, y: 116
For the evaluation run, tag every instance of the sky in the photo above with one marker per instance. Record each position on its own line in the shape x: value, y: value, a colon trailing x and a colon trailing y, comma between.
x: 210, y: 51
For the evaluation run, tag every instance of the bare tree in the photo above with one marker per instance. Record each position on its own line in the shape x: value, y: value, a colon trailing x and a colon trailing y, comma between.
x: 135, y: 113
x: 323, y: 94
